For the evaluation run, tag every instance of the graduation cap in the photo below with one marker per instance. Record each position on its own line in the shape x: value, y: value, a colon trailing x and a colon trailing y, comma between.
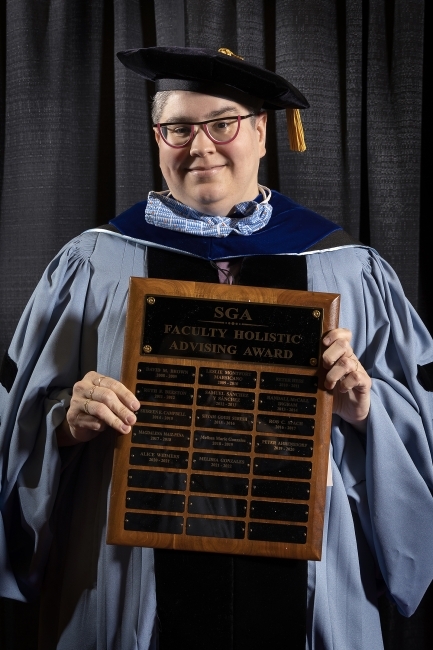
x: 223, y: 74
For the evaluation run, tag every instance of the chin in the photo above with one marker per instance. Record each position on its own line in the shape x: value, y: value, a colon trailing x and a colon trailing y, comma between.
x: 207, y: 198
x: 208, y: 205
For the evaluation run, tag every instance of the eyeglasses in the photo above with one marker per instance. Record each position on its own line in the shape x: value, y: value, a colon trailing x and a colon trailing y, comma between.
x: 221, y: 131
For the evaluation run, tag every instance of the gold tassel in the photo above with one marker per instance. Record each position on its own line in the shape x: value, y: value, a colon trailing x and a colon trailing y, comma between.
x: 295, y: 129
x: 225, y: 50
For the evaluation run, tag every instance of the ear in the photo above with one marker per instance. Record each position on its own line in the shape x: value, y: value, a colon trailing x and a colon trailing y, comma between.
x: 261, y: 121
x: 157, y: 135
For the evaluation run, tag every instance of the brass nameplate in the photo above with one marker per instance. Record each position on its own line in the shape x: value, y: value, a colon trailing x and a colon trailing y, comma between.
x: 230, y: 450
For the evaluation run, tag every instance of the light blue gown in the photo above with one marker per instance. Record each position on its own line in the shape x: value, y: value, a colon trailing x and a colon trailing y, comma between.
x: 379, y: 514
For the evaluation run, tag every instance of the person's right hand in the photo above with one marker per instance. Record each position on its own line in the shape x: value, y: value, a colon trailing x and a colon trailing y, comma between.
x: 97, y: 402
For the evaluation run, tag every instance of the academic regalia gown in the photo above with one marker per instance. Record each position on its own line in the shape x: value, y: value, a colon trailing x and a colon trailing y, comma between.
x: 379, y: 511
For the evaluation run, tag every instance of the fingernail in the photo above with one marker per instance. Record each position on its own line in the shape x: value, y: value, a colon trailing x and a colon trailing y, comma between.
x: 327, y: 340
x: 135, y: 406
x: 131, y: 419
x: 125, y: 428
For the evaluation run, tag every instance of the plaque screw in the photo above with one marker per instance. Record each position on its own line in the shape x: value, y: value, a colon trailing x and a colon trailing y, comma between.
x: 147, y: 348
x: 313, y: 362
x: 128, y: 498
x: 316, y: 312
x: 150, y: 300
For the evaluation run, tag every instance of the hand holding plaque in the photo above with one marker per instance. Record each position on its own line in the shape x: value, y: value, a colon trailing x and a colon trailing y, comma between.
x: 347, y: 378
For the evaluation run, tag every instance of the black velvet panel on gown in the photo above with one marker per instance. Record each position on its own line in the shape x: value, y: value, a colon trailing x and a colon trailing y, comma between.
x: 210, y: 601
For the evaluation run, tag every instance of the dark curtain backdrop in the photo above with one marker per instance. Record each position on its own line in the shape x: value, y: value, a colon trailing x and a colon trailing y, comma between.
x: 76, y: 145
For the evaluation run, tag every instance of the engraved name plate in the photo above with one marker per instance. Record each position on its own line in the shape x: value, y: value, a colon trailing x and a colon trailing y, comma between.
x: 157, y: 458
x: 222, y: 420
x: 164, y: 394
x: 281, y: 424
x: 283, y: 446
x: 234, y: 378
x: 230, y: 450
x: 287, y: 403
x: 227, y: 399
x: 145, y: 435
x: 164, y: 415
x: 221, y: 463
x: 222, y: 441
x: 292, y: 383
x: 166, y: 372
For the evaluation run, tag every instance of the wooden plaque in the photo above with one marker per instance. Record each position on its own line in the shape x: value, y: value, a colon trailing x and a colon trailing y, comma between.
x: 231, y: 446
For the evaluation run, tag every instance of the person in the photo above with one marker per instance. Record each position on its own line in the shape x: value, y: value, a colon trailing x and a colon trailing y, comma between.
x: 62, y: 404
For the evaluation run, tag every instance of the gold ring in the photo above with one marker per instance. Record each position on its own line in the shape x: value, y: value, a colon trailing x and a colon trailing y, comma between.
x: 100, y: 379
x: 91, y: 392
x: 86, y: 408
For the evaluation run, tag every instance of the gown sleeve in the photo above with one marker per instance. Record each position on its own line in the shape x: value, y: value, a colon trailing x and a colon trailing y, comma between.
x: 388, y: 475
x: 40, y: 368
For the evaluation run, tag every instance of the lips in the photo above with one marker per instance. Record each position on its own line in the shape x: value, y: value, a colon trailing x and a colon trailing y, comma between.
x: 205, y: 170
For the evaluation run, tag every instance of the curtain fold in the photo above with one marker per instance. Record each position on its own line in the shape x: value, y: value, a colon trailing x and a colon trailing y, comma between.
x: 76, y: 145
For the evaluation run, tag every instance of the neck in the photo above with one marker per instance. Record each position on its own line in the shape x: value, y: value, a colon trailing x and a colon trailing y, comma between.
x: 223, y: 208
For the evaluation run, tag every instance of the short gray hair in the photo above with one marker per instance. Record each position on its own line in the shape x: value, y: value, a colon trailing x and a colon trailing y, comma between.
x: 161, y: 98
x: 158, y: 104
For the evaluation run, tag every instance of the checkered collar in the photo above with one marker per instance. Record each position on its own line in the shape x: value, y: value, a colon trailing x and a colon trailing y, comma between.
x: 249, y: 216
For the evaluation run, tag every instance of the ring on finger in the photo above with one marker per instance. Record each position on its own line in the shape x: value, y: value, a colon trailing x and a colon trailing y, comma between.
x: 86, y: 406
x: 91, y: 392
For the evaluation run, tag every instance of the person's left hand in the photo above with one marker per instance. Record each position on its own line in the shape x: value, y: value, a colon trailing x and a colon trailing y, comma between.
x: 347, y: 379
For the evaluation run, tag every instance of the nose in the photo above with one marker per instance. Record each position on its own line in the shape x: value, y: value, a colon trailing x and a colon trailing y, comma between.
x: 201, y: 144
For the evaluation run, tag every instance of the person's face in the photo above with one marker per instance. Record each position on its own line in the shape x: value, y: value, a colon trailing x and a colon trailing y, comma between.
x: 210, y: 177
